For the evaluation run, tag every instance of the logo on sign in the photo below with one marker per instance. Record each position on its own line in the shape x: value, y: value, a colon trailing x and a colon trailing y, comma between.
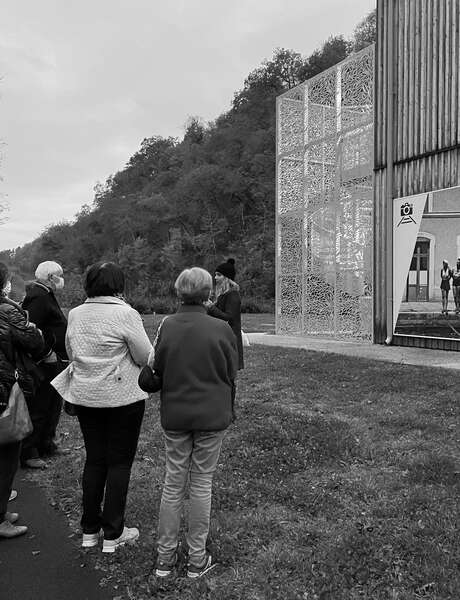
x: 407, y: 211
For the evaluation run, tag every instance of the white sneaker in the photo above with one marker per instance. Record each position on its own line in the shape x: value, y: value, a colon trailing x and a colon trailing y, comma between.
x: 8, y: 530
x: 129, y: 536
x: 89, y: 540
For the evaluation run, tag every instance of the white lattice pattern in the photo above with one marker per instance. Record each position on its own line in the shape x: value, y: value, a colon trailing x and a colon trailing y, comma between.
x: 324, y: 202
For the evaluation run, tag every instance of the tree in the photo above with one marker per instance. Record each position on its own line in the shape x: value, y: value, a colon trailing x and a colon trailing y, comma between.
x: 365, y: 32
x: 195, y: 201
x: 334, y: 50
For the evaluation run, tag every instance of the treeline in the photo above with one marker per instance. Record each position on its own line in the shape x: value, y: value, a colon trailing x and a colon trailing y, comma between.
x: 194, y: 201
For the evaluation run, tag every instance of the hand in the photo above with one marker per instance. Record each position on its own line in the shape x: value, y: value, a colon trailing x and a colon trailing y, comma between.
x: 207, y: 303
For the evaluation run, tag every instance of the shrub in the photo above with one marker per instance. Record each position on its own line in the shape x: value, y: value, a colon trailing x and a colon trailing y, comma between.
x: 257, y: 305
x: 145, y: 305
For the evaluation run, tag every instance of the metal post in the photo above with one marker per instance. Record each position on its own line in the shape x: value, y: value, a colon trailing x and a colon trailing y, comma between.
x: 337, y: 183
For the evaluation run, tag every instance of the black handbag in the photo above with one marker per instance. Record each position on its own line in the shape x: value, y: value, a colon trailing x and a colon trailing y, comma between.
x: 149, y: 381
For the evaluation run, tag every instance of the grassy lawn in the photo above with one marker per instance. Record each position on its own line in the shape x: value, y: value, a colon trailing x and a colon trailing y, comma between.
x: 262, y: 323
x: 338, y: 481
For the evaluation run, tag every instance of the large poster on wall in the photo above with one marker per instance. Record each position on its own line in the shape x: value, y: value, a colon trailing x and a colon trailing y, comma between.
x: 426, y: 264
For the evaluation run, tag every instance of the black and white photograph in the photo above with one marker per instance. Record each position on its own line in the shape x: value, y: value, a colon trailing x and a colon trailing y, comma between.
x: 430, y: 303
x: 230, y: 300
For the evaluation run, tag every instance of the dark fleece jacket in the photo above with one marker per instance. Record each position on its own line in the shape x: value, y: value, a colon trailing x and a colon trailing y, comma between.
x: 44, y: 310
x: 18, y: 339
x: 198, y: 360
x: 228, y: 308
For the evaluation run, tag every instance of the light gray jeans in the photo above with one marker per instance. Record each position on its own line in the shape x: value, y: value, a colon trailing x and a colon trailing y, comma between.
x: 190, y: 455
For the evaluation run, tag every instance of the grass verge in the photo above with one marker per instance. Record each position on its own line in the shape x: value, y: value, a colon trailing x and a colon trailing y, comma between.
x: 338, y: 481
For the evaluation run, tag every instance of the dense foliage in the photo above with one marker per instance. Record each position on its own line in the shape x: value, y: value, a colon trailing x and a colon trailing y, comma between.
x: 195, y: 201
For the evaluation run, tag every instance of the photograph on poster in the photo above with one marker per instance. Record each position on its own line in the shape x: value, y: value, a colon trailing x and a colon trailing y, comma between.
x: 427, y: 243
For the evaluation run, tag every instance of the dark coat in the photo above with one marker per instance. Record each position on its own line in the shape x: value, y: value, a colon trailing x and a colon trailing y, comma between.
x: 197, y: 358
x: 20, y: 341
x: 228, y: 308
x: 44, y: 310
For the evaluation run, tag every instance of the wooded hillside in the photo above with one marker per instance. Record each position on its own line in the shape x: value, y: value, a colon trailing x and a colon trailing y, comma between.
x: 194, y: 201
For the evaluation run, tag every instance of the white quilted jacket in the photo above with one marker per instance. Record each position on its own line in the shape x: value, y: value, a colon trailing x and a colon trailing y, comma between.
x: 107, y: 344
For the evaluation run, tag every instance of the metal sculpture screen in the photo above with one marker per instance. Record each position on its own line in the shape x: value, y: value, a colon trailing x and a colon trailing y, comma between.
x: 324, y: 202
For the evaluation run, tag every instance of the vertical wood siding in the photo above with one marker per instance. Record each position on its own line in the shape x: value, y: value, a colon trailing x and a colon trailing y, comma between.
x: 417, y: 56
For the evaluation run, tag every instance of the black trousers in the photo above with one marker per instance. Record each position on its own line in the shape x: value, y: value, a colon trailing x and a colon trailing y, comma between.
x: 44, y: 410
x: 9, y: 462
x: 110, y: 435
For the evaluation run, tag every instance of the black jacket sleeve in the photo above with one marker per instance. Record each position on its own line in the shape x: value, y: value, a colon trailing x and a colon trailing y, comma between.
x: 24, y: 335
x: 38, y: 309
x: 230, y: 310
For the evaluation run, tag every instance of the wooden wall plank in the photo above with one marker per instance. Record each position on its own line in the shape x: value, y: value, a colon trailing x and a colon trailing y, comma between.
x: 434, y: 75
x: 421, y: 145
x: 442, y: 73
x: 411, y: 67
x: 455, y: 121
x: 429, y: 76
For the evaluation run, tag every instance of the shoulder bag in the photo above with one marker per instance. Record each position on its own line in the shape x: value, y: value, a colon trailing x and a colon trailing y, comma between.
x: 15, y: 423
x: 149, y: 381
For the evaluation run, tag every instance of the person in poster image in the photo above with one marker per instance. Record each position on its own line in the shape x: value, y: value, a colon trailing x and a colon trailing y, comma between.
x: 446, y: 275
x: 456, y: 285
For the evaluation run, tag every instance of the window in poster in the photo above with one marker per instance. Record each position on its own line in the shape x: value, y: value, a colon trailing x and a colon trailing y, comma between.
x: 426, y: 264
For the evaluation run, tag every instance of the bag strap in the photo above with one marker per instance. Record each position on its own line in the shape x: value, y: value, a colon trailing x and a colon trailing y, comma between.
x: 151, y: 357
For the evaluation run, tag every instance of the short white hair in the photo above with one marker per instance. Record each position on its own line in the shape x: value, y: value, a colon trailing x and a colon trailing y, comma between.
x: 47, y: 268
x: 194, y: 285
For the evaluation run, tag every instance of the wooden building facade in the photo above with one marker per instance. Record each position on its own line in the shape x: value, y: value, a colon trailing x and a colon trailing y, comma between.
x: 416, y: 130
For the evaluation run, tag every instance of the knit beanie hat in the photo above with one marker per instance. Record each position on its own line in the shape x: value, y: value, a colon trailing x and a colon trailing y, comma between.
x: 227, y: 268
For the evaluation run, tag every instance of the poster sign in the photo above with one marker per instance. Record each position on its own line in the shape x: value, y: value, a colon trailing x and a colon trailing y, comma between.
x: 426, y: 264
x: 407, y: 217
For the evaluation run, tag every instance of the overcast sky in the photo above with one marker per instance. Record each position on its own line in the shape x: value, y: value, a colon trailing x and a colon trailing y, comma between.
x: 83, y: 82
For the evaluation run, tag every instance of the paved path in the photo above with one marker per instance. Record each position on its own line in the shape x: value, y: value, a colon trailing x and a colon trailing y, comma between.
x: 45, y: 563
x: 397, y: 354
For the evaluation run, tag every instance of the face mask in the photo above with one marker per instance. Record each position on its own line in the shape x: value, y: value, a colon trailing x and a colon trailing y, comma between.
x: 58, y: 282
x: 7, y: 288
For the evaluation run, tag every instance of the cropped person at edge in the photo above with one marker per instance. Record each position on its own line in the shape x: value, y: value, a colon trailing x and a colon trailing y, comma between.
x: 18, y: 339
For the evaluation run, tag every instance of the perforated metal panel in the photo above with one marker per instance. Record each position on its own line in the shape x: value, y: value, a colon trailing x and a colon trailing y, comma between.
x: 324, y: 202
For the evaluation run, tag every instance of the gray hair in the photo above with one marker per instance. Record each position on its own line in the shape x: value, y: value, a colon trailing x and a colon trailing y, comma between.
x: 194, y: 285
x: 47, y: 268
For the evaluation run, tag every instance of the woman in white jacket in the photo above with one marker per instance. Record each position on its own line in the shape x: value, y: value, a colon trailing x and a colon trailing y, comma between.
x: 107, y: 345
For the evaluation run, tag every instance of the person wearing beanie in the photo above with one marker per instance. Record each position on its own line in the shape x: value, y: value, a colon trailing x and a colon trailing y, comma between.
x: 228, y: 302
x: 227, y: 269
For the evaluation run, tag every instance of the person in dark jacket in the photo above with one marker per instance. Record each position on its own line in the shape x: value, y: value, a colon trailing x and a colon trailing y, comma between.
x: 45, y: 409
x: 228, y: 302
x: 18, y: 338
x: 197, y: 358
